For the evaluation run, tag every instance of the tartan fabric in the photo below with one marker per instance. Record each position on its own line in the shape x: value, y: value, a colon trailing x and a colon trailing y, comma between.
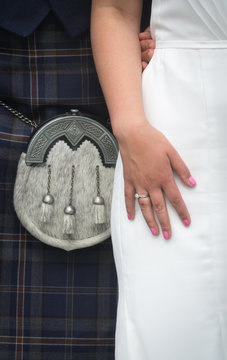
x: 53, y: 304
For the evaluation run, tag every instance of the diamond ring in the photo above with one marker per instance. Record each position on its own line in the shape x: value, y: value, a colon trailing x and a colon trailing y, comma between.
x: 137, y: 196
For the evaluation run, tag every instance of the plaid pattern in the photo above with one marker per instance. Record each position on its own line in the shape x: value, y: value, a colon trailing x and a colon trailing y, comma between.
x: 53, y: 304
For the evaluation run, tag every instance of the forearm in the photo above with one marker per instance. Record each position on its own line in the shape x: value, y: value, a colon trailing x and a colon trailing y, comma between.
x: 118, y: 64
x: 148, y: 165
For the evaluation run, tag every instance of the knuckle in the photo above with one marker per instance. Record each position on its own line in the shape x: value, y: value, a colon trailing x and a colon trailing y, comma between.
x: 176, y: 201
x: 127, y: 196
x: 148, y: 54
x: 150, y: 43
x: 164, y: 178
x: 150, y: 223
x: 165, y: 227
x: 185, y: 171
x: 151, y: 54
x: 128, y: 190
x: 143, y: 204
x: 172, y: 152
x: 146, y: 44
x: 158, y: 207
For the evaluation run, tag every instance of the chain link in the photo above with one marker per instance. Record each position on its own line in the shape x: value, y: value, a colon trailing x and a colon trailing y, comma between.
x: 19, y: 115
x: 97, y: 180
x: 71, y: 187
x: 49, y: 179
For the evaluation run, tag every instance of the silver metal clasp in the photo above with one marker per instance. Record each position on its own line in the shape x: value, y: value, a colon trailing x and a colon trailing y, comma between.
x: 74, y: 111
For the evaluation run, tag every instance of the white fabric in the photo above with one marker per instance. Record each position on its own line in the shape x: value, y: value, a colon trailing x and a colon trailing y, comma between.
x: 173, y: 293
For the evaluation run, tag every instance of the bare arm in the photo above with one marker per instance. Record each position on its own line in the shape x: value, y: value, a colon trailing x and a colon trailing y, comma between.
x: 148, y: 164
x: 118, y: 64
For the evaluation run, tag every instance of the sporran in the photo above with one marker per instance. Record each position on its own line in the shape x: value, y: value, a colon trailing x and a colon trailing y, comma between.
x: 63, y: 187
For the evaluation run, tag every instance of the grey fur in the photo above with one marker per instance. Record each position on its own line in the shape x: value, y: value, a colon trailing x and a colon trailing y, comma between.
x: 31, y: 186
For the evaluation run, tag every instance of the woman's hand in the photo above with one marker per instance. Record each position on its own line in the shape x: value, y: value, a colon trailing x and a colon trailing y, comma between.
x: 148, y: 158
x: 147, y: 46
x: 149, y: 161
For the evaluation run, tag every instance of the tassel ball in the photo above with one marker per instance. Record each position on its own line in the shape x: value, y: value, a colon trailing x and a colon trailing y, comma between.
x: 100, y: 211
x: 47, y: 208
x: 69, y: 220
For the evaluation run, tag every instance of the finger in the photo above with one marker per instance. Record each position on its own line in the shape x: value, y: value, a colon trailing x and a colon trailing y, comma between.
x: 147, y: 211
x: 173, y: 194
x: 181, y: 169
x: 147, y: 44
x: 144, y: 65
x: 130, y: 201
x: 147, y: 55
x: 144, y: 35
x: 159, y: 206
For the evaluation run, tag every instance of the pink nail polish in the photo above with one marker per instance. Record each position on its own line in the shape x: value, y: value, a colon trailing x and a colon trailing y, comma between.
x: 166, y: 235
x: 153, y: 230
x: 192, y: 180
x: 186, y: 222
x: 129, y: 217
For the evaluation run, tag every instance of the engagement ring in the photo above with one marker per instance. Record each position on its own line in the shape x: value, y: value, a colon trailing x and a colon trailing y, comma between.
x: 137, y: 196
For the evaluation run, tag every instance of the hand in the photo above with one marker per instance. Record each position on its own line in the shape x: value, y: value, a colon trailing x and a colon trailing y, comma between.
x: 147, y: 47
x: 148, y: 162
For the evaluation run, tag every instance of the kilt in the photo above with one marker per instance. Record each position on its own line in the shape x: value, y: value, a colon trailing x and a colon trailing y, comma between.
x: 53, y: 304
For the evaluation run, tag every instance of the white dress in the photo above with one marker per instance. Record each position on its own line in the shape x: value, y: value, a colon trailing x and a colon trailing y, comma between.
x: 173, y: 293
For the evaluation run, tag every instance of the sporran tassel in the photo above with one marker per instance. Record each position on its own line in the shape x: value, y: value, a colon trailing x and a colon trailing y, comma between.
x: 100, y: 210
x: 47, y: 208
x: 99, y: 203
x: 69, y: 211
x: 69, y: 220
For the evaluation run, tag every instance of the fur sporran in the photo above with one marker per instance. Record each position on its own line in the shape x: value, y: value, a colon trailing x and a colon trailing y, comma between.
x: 64, y: 182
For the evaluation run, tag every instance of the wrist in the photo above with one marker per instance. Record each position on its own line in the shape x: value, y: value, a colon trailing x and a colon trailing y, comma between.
x: 128, y: 127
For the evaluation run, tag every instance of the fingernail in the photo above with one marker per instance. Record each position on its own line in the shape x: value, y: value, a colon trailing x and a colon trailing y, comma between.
x: 166, y: 234
x: 192, y: 180
x: 129, y: 217
x: 154, y: 231
x: 186, y: 222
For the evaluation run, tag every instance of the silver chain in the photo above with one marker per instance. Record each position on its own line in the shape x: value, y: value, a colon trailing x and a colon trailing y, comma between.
x: 49, y: 179
x: 97, y: 180
x: 71, y: 187
x: 19, y: 115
